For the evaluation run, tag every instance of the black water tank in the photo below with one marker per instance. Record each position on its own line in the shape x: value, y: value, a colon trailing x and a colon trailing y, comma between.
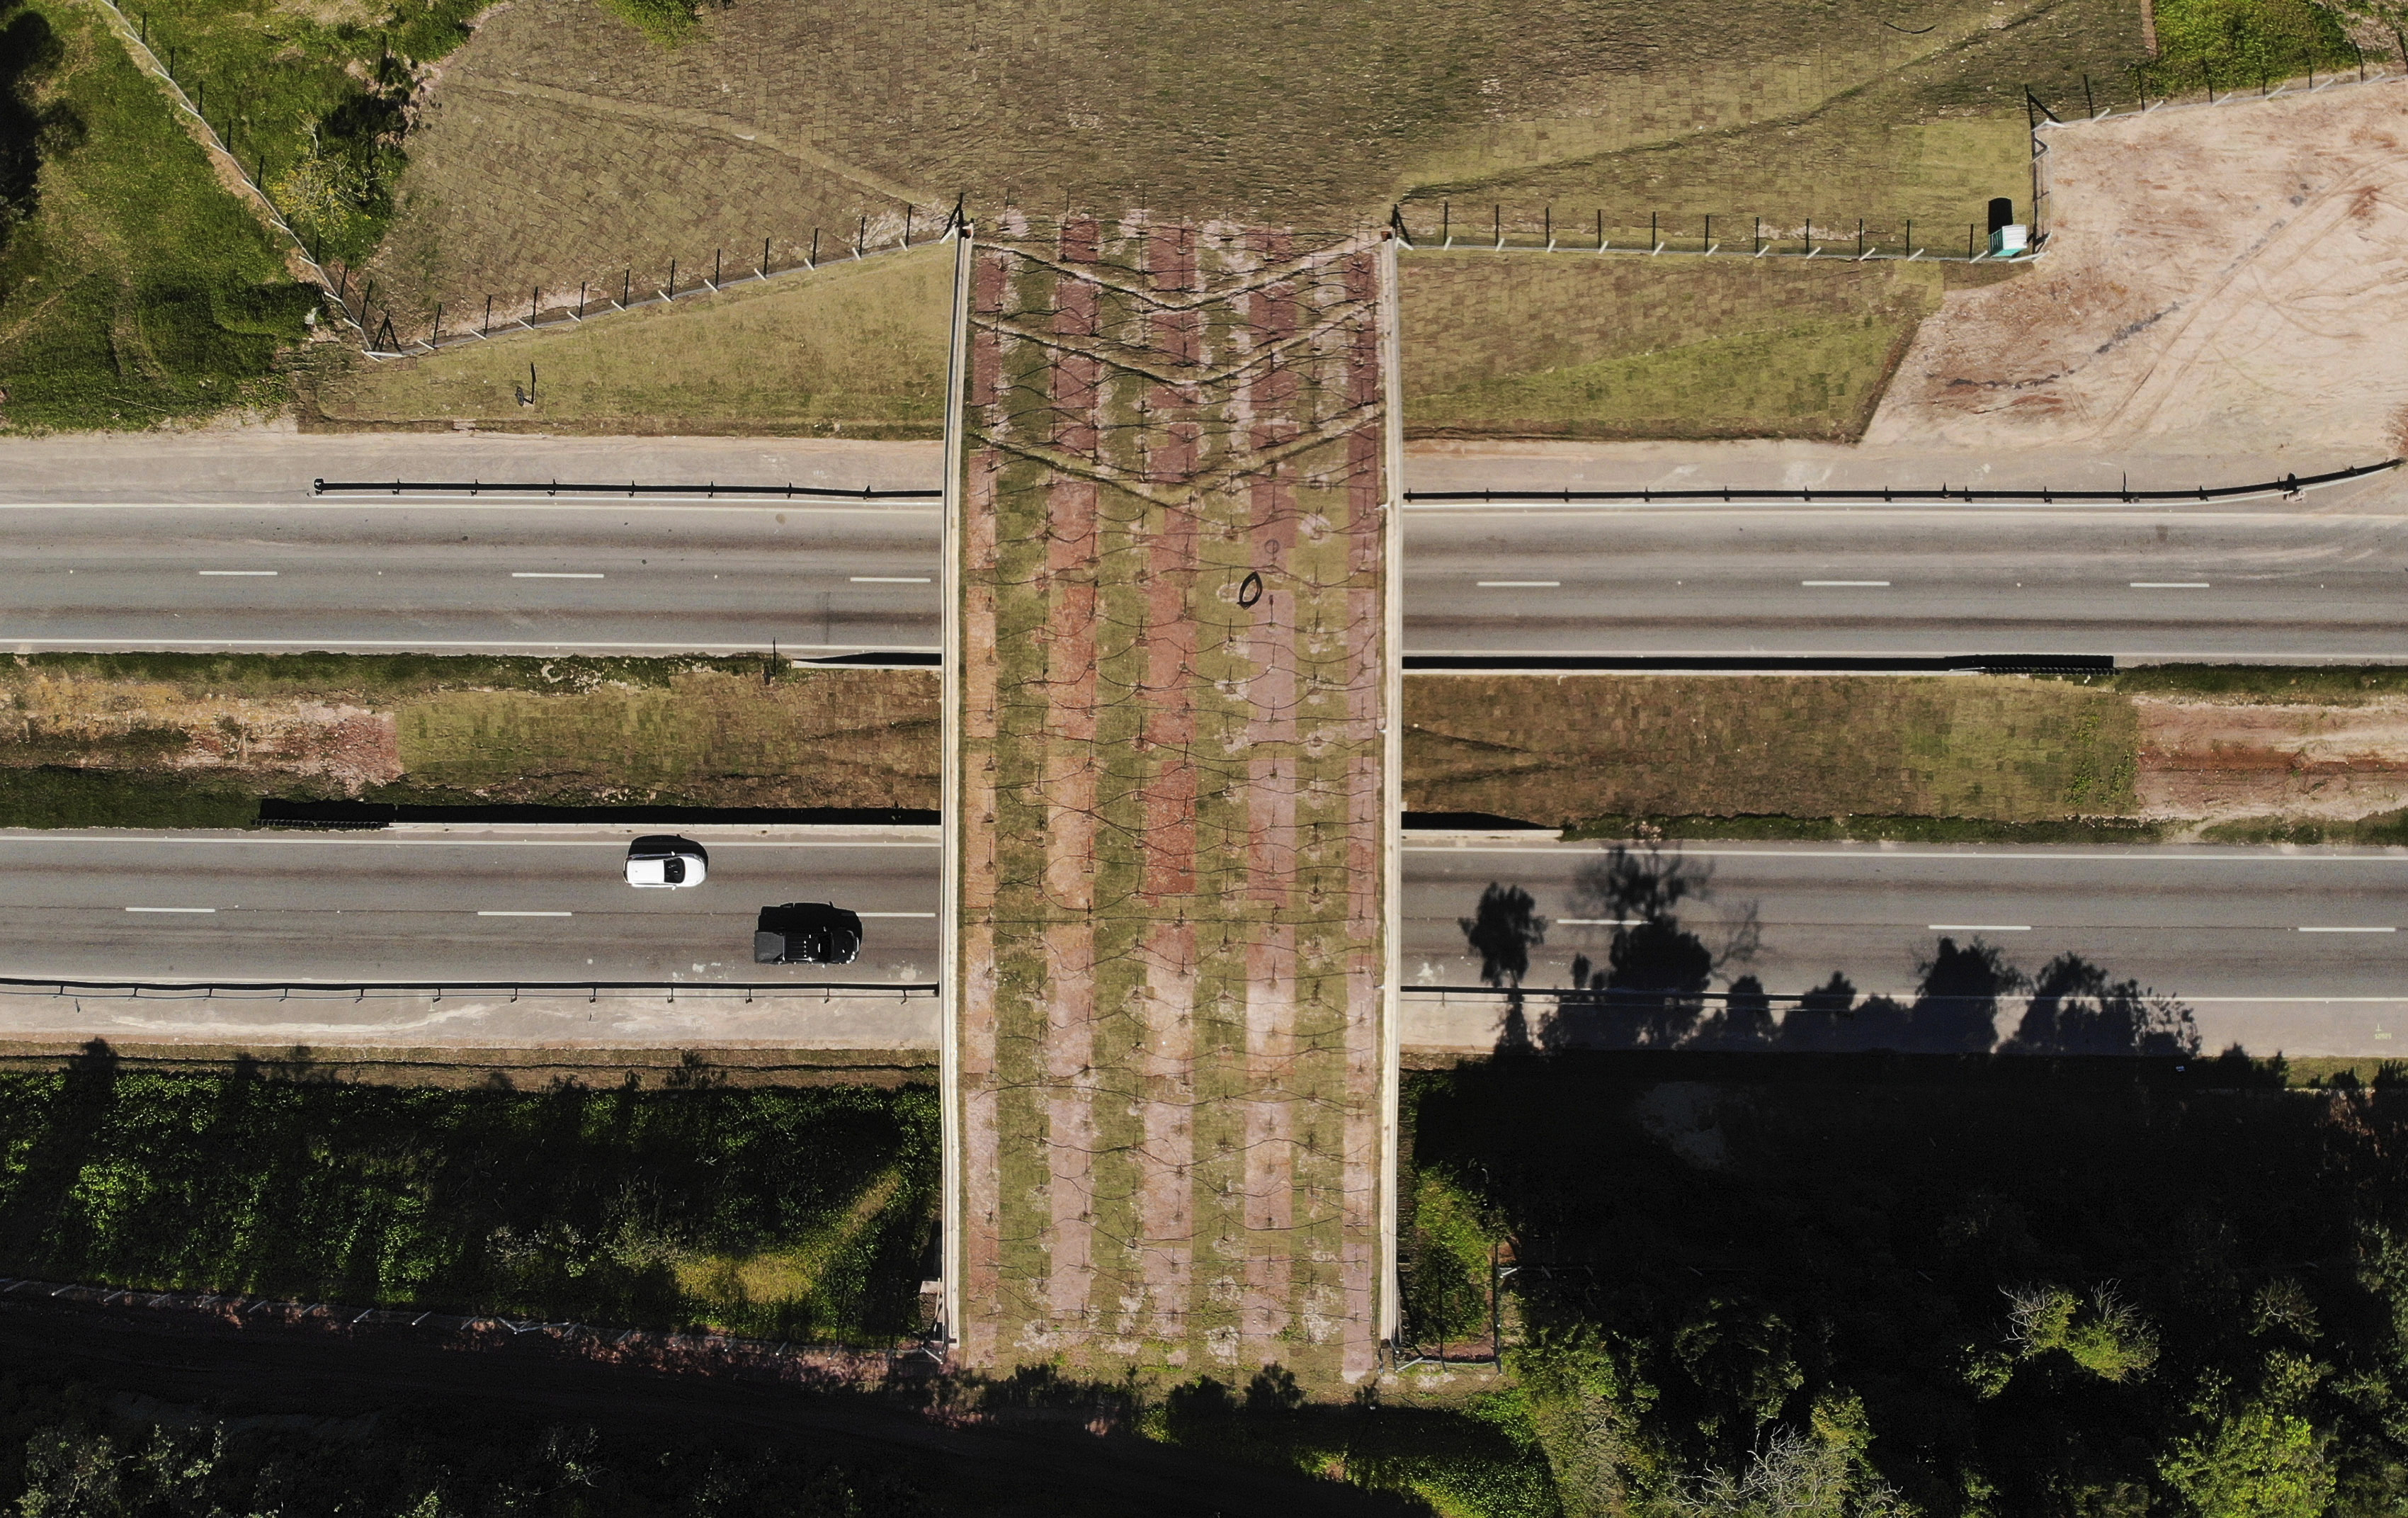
x: 2002, y: 213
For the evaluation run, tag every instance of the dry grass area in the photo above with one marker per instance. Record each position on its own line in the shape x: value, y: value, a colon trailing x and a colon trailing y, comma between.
x: 693, y: 733
x: 1522, y: 345
x: 2234, y: 276
x: 819, y: 738
x: 561, y: 145
x: 1561, y: 748
x: 854, y: 350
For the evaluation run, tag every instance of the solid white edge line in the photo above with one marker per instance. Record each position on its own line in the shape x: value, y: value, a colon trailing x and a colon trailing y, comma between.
x: 524, y: 914
x: 1875, y: 584
x: 2170, y: 586
x: 2140, y: 853
x: 1519, y: 585
x: 2348, y: 930
x: 238, y: 574
x: 414, y: 644
x: 892, y: 579
x: 930, y: 915
x: 171, y: 908
x: 682, y: 504
x: 1595, y: 922
x: 549, y: 574
x: 1977, y: 927
x: 324, y: 840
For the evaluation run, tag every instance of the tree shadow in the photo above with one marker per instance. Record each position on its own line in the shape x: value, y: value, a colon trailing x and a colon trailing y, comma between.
x: 1654, y: 989
x: 30, y: 53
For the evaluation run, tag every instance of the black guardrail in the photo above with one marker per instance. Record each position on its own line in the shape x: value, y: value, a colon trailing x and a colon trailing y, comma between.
x: 1879, y: 663
x: 630, y: 488
x: 362, y: 990
x: 2288, y: 484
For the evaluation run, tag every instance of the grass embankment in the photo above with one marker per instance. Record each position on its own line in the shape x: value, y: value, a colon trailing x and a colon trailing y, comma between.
x: 133, y: 288
x: 1767, y: 750
x: 311, y: 98
x: 193, y: 740
x: 1796, y: 115
x: 1524, y: 346
x: 1991, y: 1285
x: 791, y: 1213
x: 854, y: 350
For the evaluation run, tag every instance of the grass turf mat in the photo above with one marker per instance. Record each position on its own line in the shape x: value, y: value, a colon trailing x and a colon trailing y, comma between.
x: 853, y: 348
x: 1535, y: 347
x: 133, y: 288
x: 791, y: 1214
x: 1560, y: 748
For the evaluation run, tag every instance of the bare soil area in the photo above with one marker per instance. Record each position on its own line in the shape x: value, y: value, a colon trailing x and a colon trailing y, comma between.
x: 2236, y: 273
x: 2213, y: 761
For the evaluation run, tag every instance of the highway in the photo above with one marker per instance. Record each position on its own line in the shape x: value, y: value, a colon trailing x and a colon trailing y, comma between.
x: 2271, y: 944
x: 423, y: 905
x: 547, y: 577
x: 456, y: 577
x: 2139, y: 584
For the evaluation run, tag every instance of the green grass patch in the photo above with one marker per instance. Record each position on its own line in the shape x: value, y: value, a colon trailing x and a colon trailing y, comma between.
x: 1872, y: 829
x: 1561, y: 750
x: 57, y: 797
x: 602, y: 1206
x: 668, y: 22
x: 2243, y: 42
x: 2336, y: 685
x: 2389, y: 828
x: 310, y: 96
x: 853, y: 348
x: 379, y: 678
x: 1528, y: 346
x: 135, y: 289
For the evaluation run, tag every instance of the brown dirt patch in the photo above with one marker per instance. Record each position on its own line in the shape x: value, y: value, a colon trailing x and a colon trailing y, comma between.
x: 2234, y: 275
x: 2212, y: 760
x: 86, y: 723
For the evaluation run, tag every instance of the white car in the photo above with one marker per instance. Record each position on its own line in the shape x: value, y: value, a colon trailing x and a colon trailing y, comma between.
x: 665, y: 863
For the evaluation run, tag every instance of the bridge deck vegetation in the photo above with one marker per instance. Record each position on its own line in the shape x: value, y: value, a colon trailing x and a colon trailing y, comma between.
x: 850, y: 350
x: 785, y: 1212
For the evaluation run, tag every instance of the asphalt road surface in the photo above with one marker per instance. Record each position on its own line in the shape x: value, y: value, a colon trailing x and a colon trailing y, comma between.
x: 2139, y: 583
x: 553, y: 576
x: 423, y: 905
x: 2193, y: 921
x: 533, y: 577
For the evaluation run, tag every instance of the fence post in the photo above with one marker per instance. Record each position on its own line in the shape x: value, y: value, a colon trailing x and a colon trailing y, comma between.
x: 1500, y: 226
x: 627, y: 288
x: 1446, y: 224
x: 907, y: 226
x: 487, y: 329
x: 1654, y: 243
x: 765, y: 258
x: 1861, y: 240
x: 672, y: 289
x: 2092, y: 106
x: 861, y: 236
x: 1601, y: 229
x: 535, y: 303
x: 1968, y: 241
x: 715, y: 253
x: 812, y: 260
x: 1757, y: 248
x: 1708, y: 242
